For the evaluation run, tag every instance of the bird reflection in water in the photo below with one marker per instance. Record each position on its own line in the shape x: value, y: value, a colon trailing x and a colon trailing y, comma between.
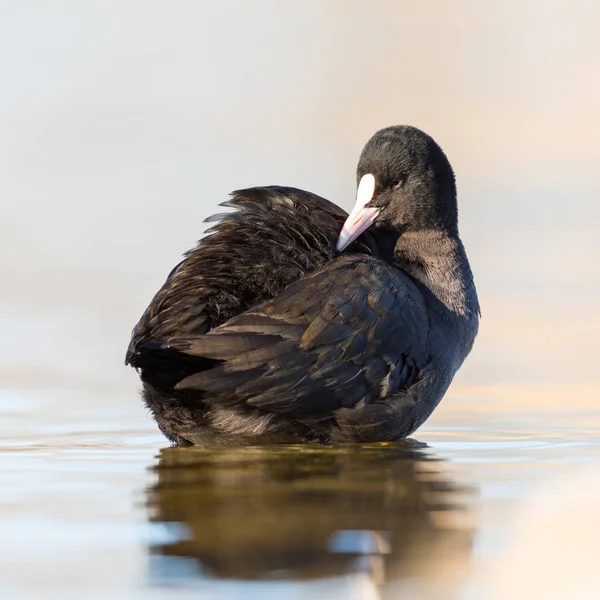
x: 388, y: 511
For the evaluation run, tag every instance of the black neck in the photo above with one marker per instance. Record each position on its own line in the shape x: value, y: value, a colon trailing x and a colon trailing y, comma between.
x: 437, y: 259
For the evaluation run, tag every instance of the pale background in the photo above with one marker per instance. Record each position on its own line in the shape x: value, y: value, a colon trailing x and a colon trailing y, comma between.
x: 124, y: 123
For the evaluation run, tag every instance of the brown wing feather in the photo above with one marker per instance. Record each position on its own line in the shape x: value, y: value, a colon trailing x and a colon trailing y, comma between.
x: 353, y: 331
x: 275, y: 236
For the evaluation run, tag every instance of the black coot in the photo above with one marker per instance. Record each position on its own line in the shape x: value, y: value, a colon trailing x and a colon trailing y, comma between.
x: 265, y: 333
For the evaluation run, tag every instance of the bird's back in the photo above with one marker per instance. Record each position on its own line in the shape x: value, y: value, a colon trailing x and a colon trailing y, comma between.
x: 275, y: 236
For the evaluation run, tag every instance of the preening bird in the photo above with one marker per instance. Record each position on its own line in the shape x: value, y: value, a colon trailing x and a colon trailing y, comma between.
x: 292, y: 321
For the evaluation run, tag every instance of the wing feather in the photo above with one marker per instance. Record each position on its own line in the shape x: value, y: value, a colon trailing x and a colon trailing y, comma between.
x: 350, y: 332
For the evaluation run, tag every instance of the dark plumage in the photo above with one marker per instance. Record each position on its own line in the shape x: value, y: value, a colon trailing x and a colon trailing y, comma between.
x: 265, y: 333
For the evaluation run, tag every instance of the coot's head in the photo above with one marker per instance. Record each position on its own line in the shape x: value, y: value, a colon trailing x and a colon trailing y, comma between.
x: 405, y: 183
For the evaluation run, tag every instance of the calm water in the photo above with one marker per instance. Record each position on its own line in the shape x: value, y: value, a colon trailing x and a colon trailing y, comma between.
x: 92, y: 506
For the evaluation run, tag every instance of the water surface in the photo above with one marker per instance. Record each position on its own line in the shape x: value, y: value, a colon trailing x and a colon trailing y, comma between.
x: 90, y: 505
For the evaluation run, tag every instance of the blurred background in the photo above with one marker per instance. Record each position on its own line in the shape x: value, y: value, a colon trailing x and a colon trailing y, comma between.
x: 124, y: 123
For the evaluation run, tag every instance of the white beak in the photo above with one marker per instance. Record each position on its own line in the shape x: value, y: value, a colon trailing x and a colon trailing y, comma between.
x: 361, y: 217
